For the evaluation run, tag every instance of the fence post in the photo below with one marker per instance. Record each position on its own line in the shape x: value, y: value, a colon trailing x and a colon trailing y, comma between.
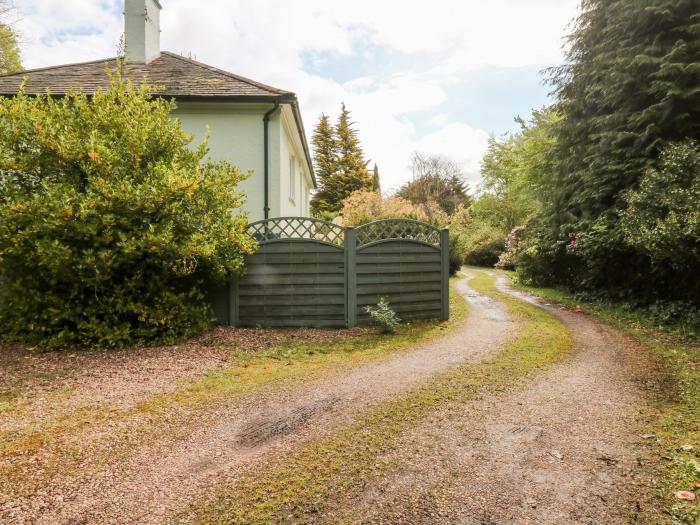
x: 233, y: 300
x: 445, y: 273
x: 350, y: 278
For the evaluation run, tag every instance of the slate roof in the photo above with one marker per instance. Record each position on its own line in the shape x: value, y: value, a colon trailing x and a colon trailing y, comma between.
x: 171, y: 74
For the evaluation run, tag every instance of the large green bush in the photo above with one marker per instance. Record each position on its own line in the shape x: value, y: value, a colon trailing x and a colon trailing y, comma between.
x: 480, y: 244
x: 110, y: 225
x: 663, y: 215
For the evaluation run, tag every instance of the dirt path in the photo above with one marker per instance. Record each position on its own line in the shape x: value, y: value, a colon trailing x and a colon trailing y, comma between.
x: 559, y: 450
x: 158, y: 480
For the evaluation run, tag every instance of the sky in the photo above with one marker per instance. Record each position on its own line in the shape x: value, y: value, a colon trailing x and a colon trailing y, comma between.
x: 438, y: 77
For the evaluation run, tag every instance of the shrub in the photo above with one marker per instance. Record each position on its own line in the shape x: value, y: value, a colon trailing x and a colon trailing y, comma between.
x: 540, y: 262
x: 363, y: 206
x: 456, y: 258
x: 480, y: 244
x: 384, y: 316
x: 506, y: 260
x: 110, y: 225
x: 663, y: 215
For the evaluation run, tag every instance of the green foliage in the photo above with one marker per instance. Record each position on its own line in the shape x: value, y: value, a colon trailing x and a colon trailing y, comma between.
x: 437, y: 181
x: 608, y: 209
x: 376, y: 183
x: 384, y: 316
x: 630, y: 87
x: 110, y: 224
x: 325, y: 160
x: 481, y: 244
x: 662, y: 218
x: 474, y: 240
x: 515, y: 172
x: 343, y: 169
x: 537, y: 262
x: 513, y: 183
x: 456, y: 255
x: 10, y: 61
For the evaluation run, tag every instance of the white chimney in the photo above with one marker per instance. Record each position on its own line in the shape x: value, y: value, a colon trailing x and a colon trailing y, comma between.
x: 142, y: 30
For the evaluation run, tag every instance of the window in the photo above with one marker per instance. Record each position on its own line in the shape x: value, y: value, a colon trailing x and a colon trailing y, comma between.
x: 292, y: 178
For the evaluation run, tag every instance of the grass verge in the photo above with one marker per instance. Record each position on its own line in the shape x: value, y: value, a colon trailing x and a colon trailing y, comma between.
x: 322, y: 472
x: 677, y: 423
x: 247, y: 372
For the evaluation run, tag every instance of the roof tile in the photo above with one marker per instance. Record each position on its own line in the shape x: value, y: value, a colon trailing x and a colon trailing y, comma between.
x: 170, y: 74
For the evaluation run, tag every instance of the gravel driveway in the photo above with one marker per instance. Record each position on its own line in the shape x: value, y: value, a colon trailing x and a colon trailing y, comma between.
x: 559, y: 449
x: 156, y: 481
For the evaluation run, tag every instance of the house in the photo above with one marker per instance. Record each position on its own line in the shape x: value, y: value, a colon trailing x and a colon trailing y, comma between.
x: 254, y: 126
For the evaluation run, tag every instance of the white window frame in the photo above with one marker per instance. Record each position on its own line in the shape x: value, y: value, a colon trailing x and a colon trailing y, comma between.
x: 292, y: 178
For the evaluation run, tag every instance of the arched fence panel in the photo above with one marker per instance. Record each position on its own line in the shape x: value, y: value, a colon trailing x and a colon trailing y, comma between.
x: 401, y: 261
x: 309, y: 272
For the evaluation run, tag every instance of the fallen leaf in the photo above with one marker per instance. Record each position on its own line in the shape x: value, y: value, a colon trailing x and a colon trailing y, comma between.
x: 686, y: 495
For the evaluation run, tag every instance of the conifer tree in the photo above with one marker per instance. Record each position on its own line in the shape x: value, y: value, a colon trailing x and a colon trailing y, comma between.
x: 325, y: 161
x: 350, y: 168
x: 376, y: 184
x: 629, y: 88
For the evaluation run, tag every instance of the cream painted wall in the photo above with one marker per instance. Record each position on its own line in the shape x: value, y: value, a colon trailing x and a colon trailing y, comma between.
x: 296, y: 202
x: 236, y: 135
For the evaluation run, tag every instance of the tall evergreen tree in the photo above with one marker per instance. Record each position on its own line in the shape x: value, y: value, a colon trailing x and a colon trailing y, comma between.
x: 350, y: 168
x: 630, y: 86
x: 376, y: 184
x: 325, y: 161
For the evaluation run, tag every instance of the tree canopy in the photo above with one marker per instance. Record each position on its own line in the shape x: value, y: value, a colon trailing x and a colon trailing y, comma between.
x: 605, y: 181
x: 437, y: 180
x: 628, y: 90
x: 10, y: 60
x: 342, y: 168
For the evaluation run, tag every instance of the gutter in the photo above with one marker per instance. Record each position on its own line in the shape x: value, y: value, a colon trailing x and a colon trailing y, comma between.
x: 266, y: 162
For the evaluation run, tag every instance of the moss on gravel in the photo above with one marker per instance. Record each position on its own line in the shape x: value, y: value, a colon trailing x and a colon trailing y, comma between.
x: 311, y: 479
x: 677, y: 421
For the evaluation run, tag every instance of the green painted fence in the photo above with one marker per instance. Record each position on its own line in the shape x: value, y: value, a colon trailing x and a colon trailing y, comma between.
x: 309, y: 272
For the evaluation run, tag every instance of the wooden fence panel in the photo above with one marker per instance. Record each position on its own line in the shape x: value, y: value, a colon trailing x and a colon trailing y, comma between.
x: 309, y: 272
x: 293, y: 283
x: 411, y: 282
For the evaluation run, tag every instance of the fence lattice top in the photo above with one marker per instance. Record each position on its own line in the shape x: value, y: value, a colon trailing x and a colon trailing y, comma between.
x: 284, y: 228
x: 297, y: 228
x: 397, y: 229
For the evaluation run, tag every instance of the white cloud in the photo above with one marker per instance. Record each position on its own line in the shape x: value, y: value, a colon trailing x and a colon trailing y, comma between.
x: 439, y: 119
x: 460, y: 141
x: 268, y: 39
